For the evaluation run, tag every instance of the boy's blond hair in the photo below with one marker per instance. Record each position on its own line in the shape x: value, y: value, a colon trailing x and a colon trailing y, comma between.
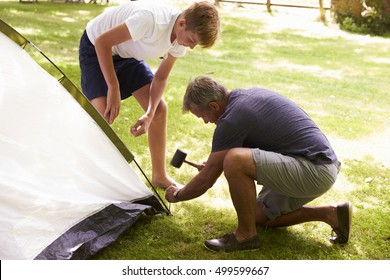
x: 202, y: 18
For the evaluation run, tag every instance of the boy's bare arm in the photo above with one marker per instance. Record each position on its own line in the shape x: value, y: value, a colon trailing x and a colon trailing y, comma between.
x: 155, y: 95
x: 103, y: 46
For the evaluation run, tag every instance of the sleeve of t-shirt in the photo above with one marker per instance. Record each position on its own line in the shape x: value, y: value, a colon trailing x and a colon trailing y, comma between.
x: 178, y: 51
x: 227, y: 136
x: 140, y: 24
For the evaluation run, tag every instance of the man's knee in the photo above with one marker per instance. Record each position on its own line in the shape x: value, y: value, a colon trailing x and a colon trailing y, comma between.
x: 236, y: 160
x: 239, y: 161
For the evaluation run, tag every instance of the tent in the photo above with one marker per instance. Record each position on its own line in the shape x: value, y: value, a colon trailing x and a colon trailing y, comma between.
x: 67, y: 183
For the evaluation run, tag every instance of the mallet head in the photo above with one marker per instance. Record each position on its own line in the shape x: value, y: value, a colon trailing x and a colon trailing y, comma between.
x: 178, y: 158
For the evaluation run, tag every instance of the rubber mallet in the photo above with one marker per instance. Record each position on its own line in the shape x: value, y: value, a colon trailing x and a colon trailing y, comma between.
x: 179, y: 157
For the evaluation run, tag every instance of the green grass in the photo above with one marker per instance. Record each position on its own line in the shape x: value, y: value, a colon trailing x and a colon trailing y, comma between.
x: 343, y: 82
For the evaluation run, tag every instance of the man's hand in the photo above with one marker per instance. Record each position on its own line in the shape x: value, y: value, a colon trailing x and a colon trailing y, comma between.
x: 169, y: 193
x: 201, y: 165
x: 113, y: 105
x: 141, y: 126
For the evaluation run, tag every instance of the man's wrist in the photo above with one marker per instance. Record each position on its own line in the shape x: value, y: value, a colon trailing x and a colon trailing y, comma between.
x: 176, y: 194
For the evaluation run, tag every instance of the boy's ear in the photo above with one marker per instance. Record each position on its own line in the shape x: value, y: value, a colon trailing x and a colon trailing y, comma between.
x: 182, y: 22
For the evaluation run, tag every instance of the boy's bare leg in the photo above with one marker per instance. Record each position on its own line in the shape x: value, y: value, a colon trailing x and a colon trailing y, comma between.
x: 100, y: 104
x: 157, y: 134
x: 157, y: 138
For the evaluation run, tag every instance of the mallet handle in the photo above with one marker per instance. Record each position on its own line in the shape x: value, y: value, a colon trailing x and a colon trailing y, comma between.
x: 192, y: 163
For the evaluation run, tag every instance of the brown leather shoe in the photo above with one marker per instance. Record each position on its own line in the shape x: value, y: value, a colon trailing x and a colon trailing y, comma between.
x: 229, y: 243
x: 344, y: 215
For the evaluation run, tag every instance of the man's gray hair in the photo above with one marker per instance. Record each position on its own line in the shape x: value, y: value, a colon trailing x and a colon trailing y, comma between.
x: 201, y: 91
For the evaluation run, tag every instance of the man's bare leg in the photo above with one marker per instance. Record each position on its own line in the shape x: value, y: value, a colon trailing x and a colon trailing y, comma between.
x: 326, y: 214
x: 239, y: 171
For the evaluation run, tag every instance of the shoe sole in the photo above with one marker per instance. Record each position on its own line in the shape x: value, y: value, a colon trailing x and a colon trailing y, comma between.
x: 226, y: 251
x: 344, y: 213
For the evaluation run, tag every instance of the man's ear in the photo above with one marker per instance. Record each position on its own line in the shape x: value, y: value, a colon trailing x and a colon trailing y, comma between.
x: 214, y: 106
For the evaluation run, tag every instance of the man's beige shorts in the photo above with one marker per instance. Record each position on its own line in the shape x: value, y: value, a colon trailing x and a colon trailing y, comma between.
x: 290, y: 182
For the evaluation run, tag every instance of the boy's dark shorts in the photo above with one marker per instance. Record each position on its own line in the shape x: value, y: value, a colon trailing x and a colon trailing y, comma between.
x: 132, y: 74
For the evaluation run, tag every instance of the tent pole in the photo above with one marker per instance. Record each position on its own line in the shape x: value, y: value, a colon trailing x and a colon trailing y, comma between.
x: 154, y: 189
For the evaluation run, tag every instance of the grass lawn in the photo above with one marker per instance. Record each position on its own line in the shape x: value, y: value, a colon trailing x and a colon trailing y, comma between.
x: 341, y: 80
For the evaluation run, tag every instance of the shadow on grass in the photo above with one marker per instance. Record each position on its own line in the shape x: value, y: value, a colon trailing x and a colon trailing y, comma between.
x: 181, y: 237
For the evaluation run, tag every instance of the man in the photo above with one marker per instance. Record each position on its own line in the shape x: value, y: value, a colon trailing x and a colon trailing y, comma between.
x: 261, y: 135
x: 112, y: 53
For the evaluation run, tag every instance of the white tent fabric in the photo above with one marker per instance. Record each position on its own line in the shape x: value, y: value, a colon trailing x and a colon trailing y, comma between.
x: 59, y: 172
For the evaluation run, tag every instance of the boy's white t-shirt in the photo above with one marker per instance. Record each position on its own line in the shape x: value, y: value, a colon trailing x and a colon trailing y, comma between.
x: 150, y: 26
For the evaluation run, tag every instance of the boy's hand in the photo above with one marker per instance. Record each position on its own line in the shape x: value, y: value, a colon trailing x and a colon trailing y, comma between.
x: 141, y: 126
x: 113, y: 106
